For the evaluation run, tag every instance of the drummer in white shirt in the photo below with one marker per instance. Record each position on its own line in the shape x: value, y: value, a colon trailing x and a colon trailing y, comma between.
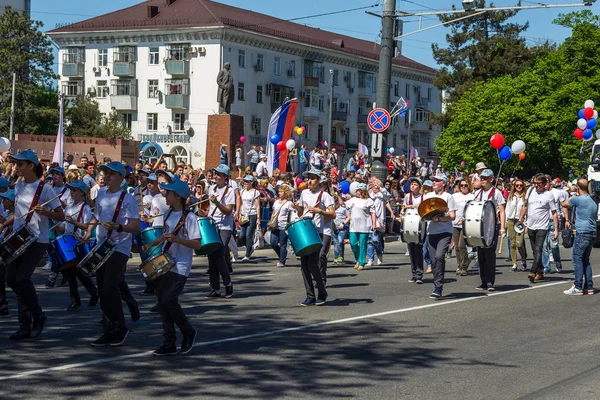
x: 460, y: 199
x: 59, y: 186
x: 440, y: 233
x: 415, y: 250
x: 487, y: 256
x: 320, y: 205
x: 8, y: 206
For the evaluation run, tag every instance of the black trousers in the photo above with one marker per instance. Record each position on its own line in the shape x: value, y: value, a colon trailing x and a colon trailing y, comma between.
x: 18, y: 277
x: 3, y: 302
x: 415, y: 251
x: 323, y: 255
x: 537, y: 238
x: 72, y: 274
x: 438, y: 247
x: 310, y: 270
x: 109, y: 278
x: 487, y: 263
x: 218, y: 263
x: 168, y: 288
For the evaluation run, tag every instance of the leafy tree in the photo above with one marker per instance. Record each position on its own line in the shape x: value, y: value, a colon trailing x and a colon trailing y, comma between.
x: 26, y: 51
x: 481, y: 48
x: 83, y: 118
x: 538, y: 106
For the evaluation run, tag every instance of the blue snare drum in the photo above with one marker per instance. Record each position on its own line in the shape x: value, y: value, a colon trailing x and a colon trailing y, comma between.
x: 304, y: 237
x: 148, y: 236
x: 82, y: 249
x: 135, y: 243
x: 64, y: 251
x: 210, y: 240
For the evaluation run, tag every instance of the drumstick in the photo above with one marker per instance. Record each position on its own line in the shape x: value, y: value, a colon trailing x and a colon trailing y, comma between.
x: 43, y: 204
x: 501, y: 240
x: 190, y: 206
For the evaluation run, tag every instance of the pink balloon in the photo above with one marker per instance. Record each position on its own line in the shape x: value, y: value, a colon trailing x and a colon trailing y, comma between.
x: 242, y: 139
x: 298, y: 181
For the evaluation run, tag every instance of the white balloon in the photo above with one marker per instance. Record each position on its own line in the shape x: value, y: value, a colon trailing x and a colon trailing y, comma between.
x: 290, y: 144
x: 4, y: 145
x: 589, y: 104
x: 353, y: 187
x: 517, y: 147
x: 595, y: 114
x: 391, y: 150
x: 598, y: 134
x: 582, y: 123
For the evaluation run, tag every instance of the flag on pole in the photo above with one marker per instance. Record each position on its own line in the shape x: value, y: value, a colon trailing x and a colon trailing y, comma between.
x: 58, y: 147
x: 413, y: 153
x: 363, y: 149
x: 281, y: 124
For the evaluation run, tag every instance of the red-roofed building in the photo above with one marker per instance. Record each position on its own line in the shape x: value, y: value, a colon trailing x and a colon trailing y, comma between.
x: 157, y: 62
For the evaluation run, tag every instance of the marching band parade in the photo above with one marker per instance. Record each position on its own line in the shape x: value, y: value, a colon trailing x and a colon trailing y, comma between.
x: 89, y: 229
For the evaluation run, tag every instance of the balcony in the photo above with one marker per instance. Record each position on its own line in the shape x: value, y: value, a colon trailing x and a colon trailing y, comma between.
x: 310, y: 113
x: 339, y: 117
x: 362, y: 92
x: 124, y: 69
x: 177, y: 101
x: 177, y: 67
x: 73, y: 70
x: 362, y: 119
x: 174, y: 138
x: 123, y: 103
x: 311, y: 82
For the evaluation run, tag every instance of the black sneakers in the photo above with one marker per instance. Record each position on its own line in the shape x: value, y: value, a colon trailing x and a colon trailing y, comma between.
x: 21, y: 334
x: 321, y: 300
x: 135, y: 313
x: 120, y: 339
x: 94, y: 300
x: 102, y: 341
x: 154, y: 309
x: 229, y: 291
x: 214, y: 294
x: 165, y: 350
x: 74, y: 305
x: 38, y: 326
x: 147, y: 292
x: 188, y: 343
x: 308, y: 302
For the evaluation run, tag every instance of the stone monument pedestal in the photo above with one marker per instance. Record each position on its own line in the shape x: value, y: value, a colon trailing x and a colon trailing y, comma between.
x: 222, y: 128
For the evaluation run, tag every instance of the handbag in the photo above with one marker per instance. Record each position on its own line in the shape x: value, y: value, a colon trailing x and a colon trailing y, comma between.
x: 274, y: 220
x: 567, y: 234
x: 244, y: 220
x: 259, y: 240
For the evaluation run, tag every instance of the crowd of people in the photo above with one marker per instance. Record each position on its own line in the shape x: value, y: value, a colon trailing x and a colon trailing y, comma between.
x: 96, y: 201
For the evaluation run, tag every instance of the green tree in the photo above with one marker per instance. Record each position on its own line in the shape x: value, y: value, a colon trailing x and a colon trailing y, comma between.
x: 83, y: 118
x: 538, y: 106
x: 481, y: 48
x: 26, y: 51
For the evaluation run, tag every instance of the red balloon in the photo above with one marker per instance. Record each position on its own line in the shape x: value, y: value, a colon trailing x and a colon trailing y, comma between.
x: 522, y: 156
x: 497, y: 141
x: 578, y: 134
x: 281, y: 145
x: 588, y: 113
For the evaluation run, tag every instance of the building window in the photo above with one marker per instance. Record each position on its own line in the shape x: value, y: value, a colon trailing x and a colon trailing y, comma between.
x: 407, y: 92
x: 257, y: 125
x: 311, y: 98
x: 178, y: 120
x: 320, y: 133
x: 152, y: 88
x: 277, y: 66
x: 152, y: 122
x: 349, y: 107
x: 361, y: 108
x: 259, y: 94
x: 396, y: 88
x: 178, y: 51
x: 177, y: 87
x: 421, y: 115
x: 73, y: 55
x: 123, y: 87
x: 153, y: 58
x: 322, y: 103
x: 242, y: 58
x: 260, y: 62
x: 429, y: 94
x: 102, y: 57
x: 124, y: 54
x: 333, y: 135
x: 362, y: 79
x: 126, y: 119
x: 336, y: 76
x: 72, y: 88
x: 101, y: 89
x: 292, y: 68
x: 335, y: 104
x: 240, y: 91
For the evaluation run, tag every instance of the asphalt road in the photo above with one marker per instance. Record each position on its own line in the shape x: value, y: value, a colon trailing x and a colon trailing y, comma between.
x: 378, y: 337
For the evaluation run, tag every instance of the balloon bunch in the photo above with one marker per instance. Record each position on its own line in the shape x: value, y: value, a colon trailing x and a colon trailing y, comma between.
x: 588, y: 120
x: 280, y: 144
x: 390, y: 151
x: 299, y: 130
x: 505, y: 152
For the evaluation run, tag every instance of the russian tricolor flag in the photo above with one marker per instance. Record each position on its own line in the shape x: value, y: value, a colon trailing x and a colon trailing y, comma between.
x: 281, y: 124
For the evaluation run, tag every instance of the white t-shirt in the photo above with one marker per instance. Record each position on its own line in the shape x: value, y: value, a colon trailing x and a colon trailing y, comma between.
x: 159, y: 206
x: 539, y: 209
x: 413, y: 200
x: 284, y: 210
x: 316, y: 159
x: 65, y: 197
x: 560, y: 195
x: 379, y: 202
x: 39, y: 224
x: 147, y: 203
x: 360, y: 214
x: 309, y: 199
x: 249, y: 201
x: 261, y: 169
x: 75, y: 211
x: 222, y: 221
x: 492, y: 194
x: 434, y: 227
x: 182, y: 255
x: 94, y: 191
x: 513, y: 207
x: 460, y: 200
x: 106, y: 204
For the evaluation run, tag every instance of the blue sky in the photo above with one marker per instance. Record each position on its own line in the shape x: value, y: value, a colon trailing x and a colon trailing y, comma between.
x: 354, y: 23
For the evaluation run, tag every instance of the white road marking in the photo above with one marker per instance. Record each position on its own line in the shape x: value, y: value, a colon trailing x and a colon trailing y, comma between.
x: 280, y: 331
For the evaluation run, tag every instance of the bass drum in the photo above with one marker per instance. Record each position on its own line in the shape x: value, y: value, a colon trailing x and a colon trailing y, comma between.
x: 412, y: 229
x: 480, y: 223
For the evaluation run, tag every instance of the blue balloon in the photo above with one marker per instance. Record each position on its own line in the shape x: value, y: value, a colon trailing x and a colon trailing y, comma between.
x: 345, y: 187
x: 592, y: 123
x: 581, y: 114
x: 587, y: 134
x: 505, y: 153
x: 275, y: 139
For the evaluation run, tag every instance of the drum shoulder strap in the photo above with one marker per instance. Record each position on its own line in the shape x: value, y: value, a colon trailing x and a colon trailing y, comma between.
x: 117, y: 211
x: 35, y: 201
x: 222, y: 197
x: 180, y: 225
x: 81, y: 212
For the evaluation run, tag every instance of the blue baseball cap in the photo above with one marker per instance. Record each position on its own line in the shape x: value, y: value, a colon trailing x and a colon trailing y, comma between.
x: 165, y: 172
x: 10, y: 195
x: 352, y: 169
x: 60, y: 170
x: 26, y: 155
x: 312, y: 171
x: 249, y: 178
x: 428, y: 183
x: 415, y: 179
x: 179, y: 187
x: 144, y: 170
x: 361, y: 186
x: 152, y: 177
x: 78, y: 185
x: 113, y: 166
x: 3, y: 183
x: 440, y: 177
x: 486, y: 173
x: 222, y: 169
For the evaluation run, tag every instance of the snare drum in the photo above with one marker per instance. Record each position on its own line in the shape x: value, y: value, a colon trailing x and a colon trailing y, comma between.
x: 304, y: 237
x: 64, y: 251
x: 135, y: 243
x: 210, y: 240
x: 15, y: 244
x: 480, y: 223
x: 156, y: 266
x: 145, y: 238
x: 412, y: 229
x: 97, y: 257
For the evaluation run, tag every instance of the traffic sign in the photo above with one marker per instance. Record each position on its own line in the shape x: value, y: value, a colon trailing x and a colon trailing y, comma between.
x: 379, y: 120
x: 376, y: 145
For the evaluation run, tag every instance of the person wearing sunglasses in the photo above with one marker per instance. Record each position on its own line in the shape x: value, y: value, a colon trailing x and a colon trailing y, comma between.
x: 514, y: 203
x: 539, y: 205
x: 461, y: 197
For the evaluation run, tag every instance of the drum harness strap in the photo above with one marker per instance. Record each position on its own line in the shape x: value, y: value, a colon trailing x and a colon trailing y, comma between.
x: 222, y: 197
x: 117, y: 210
x: 480, y: 194
x: 34, y: 202
x: 410, y: 199
x: 180, y: 225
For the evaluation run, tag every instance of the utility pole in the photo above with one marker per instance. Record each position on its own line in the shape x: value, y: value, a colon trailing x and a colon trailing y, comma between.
x: 12, y: 108
x: 408, y: 135
x: 330, y: 125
